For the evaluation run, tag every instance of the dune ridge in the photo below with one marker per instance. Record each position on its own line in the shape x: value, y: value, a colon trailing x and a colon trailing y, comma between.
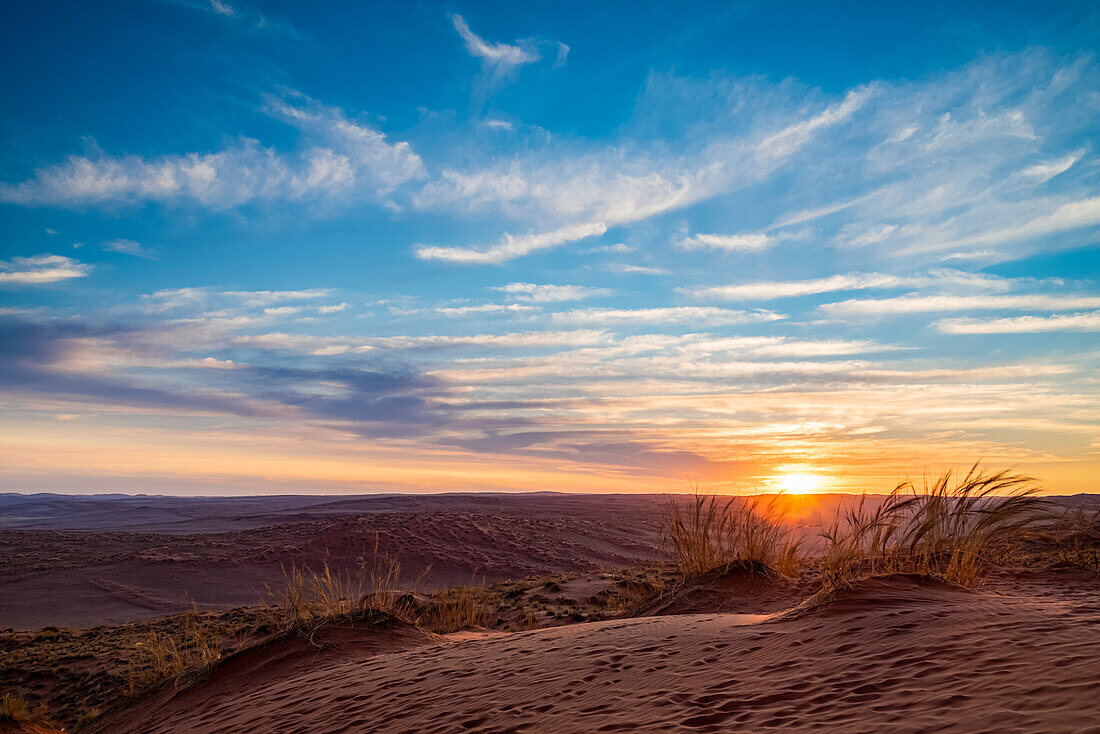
x: 898, y: 652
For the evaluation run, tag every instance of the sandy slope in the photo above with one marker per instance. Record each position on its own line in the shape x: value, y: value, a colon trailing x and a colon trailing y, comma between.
x: 892, y: 655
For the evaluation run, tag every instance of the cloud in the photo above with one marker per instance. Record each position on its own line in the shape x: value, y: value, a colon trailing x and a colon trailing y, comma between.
x: 319, y: 345
x: 550, y: 293
x: 640, y: 269
x: 672, y: 314
x: 242, y: 16
x: 617, y: 247
x: 41, y: 269
x: 511, y: 247
x: 728, y: 242
x: 929, y: 304
x: 1049, y: 169
x: 769, y: 290
x: 130, y: 247
x: 340, y: 158
x: 64, y: 361
x: 499, y: 59
x: 222, y: 8
x: 264, y: 298
x: 591, y: 192
x: 457, y: 311
x: 206, y: 299
x: 1023, y: 324
x: 1065, y: 216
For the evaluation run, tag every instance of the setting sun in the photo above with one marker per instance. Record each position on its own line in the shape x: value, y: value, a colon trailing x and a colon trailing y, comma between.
x: 798, y: 483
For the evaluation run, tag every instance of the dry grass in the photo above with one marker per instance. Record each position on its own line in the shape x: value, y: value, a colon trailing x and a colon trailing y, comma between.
x: 311, y: 597
x: 947, y: 528
x: 15, y: 707
x: 1078, y: 543
x: 308, y: 597
x: 709, y: 532
x: 193, y: 646
x: 457, y: 609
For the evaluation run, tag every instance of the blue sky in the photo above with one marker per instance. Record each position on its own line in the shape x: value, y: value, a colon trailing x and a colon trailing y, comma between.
x: 435, y: 246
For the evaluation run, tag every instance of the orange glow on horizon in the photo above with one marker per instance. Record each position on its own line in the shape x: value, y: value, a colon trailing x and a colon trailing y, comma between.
x: 798, y: 483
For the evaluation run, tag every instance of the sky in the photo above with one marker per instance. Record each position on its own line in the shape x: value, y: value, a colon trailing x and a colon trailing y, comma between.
x: 282, y: 247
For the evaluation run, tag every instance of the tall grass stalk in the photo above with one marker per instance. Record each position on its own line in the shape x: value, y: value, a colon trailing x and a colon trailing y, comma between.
x: 709, y: 532
x: 948, y: 527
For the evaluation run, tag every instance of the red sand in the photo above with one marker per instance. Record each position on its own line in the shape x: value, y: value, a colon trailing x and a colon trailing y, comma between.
x: 894, y: 654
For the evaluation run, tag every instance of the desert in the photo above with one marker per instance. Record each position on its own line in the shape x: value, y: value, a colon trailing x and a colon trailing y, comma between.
x: 552, y: 613
x: 552, y: 366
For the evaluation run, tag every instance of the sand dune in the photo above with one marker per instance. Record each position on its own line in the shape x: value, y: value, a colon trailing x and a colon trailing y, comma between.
x: 894, y: 654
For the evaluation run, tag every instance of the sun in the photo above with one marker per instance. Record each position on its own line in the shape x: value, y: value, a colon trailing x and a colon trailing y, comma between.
x: 798, y: 483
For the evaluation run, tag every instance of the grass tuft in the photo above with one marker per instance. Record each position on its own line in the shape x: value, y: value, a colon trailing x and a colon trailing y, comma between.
x: 310, y: 597
x: 948, y: 528
x: 457, y: 609
x: 192, y: 647
x: 708, y: 532
x: 16, y: 707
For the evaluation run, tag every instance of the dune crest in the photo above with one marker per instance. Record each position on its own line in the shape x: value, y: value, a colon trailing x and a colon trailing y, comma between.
x: 898, y: 652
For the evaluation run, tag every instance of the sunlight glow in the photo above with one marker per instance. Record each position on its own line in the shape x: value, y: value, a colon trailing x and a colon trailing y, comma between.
x: 798, y: 483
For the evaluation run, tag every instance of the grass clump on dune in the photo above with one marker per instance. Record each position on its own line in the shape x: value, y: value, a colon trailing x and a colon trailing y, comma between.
x: 458, y: 608
x: 708, y: 532
x: 194, y: 645
x: 950, y: 527
x: 17, y: 708
x: 311, y: 597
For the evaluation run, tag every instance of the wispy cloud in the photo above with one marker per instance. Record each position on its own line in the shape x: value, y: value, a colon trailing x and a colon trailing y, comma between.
x: 728, y: 242
x: 242, y: 16
x: 1023, y: 324
x: 537, y: 293
x: 343, y: 345
x: 770, y: 290
x: 931, y: 304
x: 130, y: 247
x: 593, y: 192
x: 1047, y: 170
x: 511, y: 247
x: 341, y: 157
x: 41, y: 269
x: 484, y: 308
x: 671, y: 314
x: 640, y: 269
x: 499, y: 59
